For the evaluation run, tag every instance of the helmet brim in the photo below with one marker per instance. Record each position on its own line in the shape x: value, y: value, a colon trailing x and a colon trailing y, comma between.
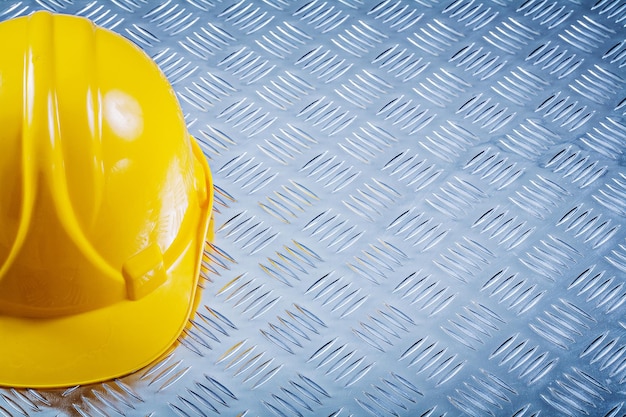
x: 111, y: 341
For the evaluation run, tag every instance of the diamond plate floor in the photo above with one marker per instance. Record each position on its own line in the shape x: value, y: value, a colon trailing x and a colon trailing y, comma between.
x: 420, y: 208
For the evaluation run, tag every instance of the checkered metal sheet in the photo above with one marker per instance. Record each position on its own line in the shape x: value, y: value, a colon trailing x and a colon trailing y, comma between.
x: 420, y: 208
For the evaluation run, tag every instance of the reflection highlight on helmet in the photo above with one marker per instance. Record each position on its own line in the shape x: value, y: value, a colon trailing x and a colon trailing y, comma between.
x: 123, y: 114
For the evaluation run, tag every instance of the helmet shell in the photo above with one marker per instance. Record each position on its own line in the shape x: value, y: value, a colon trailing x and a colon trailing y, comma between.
x: 105, y: 196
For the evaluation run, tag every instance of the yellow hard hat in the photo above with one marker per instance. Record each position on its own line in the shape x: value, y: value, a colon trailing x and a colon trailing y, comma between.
x: 105, y: 203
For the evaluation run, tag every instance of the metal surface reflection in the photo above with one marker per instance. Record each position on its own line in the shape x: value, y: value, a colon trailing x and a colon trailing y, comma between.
x: 419, y: 208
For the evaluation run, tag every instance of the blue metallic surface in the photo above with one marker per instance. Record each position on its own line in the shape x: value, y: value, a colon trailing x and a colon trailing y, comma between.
x: 419, y: 208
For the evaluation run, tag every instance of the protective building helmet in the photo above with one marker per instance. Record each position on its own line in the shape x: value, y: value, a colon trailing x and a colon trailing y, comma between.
x: 105, y: 203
